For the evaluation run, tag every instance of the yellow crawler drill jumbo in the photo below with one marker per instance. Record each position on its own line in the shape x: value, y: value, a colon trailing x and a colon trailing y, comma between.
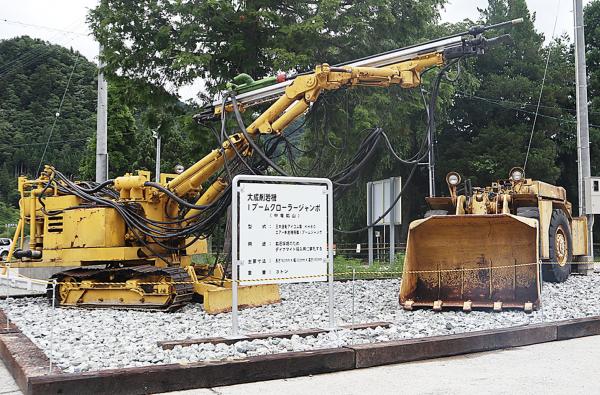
x: 131, y: 240
x: 481, y: 249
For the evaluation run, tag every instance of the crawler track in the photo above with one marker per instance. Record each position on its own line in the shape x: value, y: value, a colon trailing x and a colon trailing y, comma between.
x: 182, y: 295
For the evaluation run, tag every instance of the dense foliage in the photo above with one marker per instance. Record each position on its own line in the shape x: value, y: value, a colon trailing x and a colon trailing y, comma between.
x: 33, y: 78
x: 489, y: 128
x: 173, y: 42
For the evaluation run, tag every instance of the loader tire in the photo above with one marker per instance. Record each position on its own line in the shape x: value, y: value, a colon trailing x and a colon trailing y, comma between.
x: 429, y: 213
x: 555, y: 269
x: 558, y: 267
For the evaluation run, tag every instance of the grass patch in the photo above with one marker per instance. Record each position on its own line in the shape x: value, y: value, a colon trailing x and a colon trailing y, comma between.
x: 205, y: 259
x: 342, y: 268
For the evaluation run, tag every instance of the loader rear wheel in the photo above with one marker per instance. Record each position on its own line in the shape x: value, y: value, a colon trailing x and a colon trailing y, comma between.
x: 558, y: 267
x: 429, y: 213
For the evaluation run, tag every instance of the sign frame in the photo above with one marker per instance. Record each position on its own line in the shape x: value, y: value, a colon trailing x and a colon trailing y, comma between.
x: 235, y: 253
x: 389, y: 190
x: 380, y: 195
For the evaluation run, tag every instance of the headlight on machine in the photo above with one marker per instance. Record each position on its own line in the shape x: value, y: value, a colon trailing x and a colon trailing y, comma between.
x: 517, y: 174
x: 453, y: 178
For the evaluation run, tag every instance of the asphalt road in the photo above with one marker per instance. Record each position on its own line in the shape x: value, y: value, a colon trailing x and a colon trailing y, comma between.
x: 569, y: 366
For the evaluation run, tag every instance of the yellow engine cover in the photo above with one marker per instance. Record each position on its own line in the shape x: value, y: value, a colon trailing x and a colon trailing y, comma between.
x: 86, y: 227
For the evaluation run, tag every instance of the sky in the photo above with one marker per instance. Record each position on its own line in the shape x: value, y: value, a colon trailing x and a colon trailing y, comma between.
x: 63, y: 22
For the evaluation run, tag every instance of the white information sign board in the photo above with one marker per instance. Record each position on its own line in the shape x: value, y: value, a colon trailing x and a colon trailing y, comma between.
x: 282, y: 232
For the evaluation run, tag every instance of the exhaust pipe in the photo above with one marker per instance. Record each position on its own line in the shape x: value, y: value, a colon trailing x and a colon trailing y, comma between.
x: 31, y: 254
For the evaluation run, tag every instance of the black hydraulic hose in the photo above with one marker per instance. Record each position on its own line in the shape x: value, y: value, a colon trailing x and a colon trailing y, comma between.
x: 173, y: 196
x: 237, y: 153
x: 398, y: 158
x: 251, y: 141
x: 363, y: 161
x: 431, y: 131
x: 135, y: 222
x: 98, y: 187
x: 406, y: 183
x: 431, y: 115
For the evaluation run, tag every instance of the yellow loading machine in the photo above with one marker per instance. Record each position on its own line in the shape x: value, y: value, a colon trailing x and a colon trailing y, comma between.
x: 131, y: 240
x: 481, y: 249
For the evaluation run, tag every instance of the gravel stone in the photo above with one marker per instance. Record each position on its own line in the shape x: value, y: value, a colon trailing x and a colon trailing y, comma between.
x: 80, y: 340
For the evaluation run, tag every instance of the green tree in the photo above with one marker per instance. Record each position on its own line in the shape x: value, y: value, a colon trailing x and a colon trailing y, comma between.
x: 176, y: 42
x: 592, y: 41
x: 172, y: 44
x: 489, y: 128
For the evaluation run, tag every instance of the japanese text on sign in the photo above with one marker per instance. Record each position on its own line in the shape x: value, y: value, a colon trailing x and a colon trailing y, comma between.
x: 282, y: 232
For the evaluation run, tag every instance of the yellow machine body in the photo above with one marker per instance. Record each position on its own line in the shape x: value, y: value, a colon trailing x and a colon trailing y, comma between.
x: 67, y: 233
x: 484, y: 251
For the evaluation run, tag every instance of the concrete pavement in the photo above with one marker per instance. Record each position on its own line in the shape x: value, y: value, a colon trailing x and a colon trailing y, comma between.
x: 567, y: 366
x: 7, y: 384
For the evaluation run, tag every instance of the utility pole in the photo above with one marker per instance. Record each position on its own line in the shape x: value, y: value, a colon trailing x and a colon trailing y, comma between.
x: 156, y: 135
x: 583, y: 134
x: 101, y: 125
x: 431, y: 164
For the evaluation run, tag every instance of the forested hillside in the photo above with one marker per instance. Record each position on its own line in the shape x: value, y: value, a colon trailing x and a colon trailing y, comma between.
x: 36, y: 76
x: 33, y: 79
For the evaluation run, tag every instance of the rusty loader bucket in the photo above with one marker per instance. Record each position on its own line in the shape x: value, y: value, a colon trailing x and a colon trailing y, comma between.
x: 471, y: 261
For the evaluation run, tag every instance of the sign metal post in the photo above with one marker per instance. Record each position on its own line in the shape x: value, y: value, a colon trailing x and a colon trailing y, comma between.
x: 282, y: 232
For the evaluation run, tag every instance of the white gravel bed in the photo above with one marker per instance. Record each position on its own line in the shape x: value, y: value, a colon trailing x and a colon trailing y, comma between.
x: 85, y: 340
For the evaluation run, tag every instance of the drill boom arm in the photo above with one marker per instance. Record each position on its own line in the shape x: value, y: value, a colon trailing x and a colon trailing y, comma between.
x: 296, y: 99
x: 293, y: 97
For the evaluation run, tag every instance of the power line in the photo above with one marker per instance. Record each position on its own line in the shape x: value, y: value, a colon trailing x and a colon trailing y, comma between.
x: 30, y: 56
x: 43, y: 27
x: 51, y: 142
x: 25, y: 60
x: 501, y: 104
x: 524, y: 104
x: 537, y: 109
x: 57, y: 115
x: 56, y: 141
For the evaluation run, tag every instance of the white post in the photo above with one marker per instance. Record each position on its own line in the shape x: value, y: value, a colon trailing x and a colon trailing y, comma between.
x: 377, y: 235
x: 370, y: 220
x: 431, y: 162
x: 7, y: 295
x: 235, y: 331
x: 583, y: 134
x: 392, y: 215
x: 52, y: 326
x: 329, y: 192
x: 234, y: 262
x: 101, y: 126
x: 158, y: 147
x: 353, y: 278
